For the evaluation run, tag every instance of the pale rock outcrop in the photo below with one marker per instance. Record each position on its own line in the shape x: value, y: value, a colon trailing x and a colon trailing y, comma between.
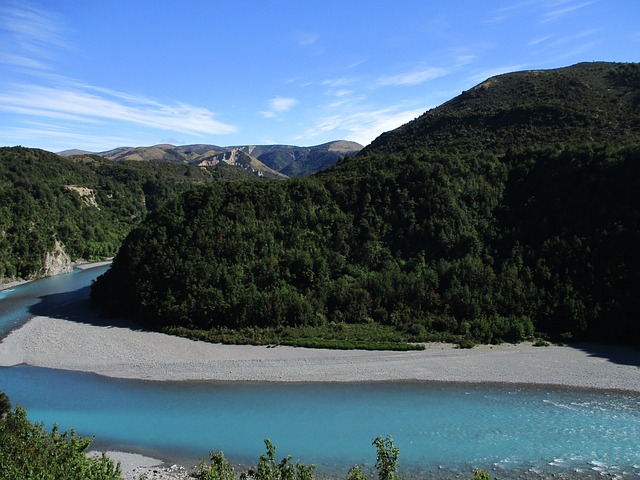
x: 87, y: 195
x: 57, y: 261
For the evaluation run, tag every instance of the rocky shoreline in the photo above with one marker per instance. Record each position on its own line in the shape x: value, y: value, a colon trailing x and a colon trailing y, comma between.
x: 134, y: 466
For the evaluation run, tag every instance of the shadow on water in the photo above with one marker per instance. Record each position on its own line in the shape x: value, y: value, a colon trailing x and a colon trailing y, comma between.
x: 76, y: 306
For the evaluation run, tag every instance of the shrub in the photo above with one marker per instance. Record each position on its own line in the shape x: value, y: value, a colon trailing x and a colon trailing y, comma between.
x: 28, y: 451
x: 5, y: 405
x: 539, y: 342
x: 355, y: 473
x: 386, y: 458
x: 466, y: 343
x: 480, y: 474
x: 268, y: 469
x: 218, y: 469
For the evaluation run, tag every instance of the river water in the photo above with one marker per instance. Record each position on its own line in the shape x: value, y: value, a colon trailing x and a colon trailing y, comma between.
x: 441, y: 429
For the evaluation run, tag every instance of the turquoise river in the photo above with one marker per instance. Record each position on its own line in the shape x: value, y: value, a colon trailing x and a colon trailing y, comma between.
x: 443, y: 430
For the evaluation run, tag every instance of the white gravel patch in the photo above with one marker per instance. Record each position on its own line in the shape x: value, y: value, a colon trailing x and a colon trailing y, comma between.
x: 124, y: 351
x: 133, y: 466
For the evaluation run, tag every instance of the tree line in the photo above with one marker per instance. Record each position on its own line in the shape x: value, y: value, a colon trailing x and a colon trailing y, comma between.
x: 419, y: 246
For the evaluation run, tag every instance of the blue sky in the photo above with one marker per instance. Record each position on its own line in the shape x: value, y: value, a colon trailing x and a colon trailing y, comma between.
x: 96, y: 75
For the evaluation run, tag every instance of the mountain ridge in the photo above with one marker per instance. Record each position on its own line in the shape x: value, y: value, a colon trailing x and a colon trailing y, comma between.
x: 272, y: 161
x: 529, y: 107
x: 236, y: 157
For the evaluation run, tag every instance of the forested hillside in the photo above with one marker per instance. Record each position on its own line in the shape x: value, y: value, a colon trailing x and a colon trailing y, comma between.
x: 415, y: 238
x: 79, y: 207
x: 582, y: 104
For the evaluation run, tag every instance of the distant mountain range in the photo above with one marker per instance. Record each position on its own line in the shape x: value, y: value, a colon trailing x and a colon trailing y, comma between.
x: 270, y: 161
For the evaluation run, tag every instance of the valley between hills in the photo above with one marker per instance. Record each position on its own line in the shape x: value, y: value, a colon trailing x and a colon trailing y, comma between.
x: 508, y: 213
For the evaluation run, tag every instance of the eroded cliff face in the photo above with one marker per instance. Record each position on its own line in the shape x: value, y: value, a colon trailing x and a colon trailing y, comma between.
x: 56, y: 261
x: 87, y: 195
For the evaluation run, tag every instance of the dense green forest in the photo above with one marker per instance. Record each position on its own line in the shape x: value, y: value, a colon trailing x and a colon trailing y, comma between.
x: 509, y: 210
x: 85, y: 203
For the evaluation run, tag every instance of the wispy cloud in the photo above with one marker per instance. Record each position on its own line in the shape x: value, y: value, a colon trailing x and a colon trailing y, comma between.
x: 341, y: 93
x: 575, y: 37
x: 495, y: 19
x: 310, y: 43
x: 34, y: 34
x: 306, y: 39
x: 481, y: 75
x: 82, y: 106
x: 562, y: 9
x: 363, y: 125
x: 545, y: 10
x: 60, y: 137
x: 355, y: 112
x: 539, y: 40
x: 22, y: 61
x: 34, y: 38
x: 415, y: 77
x: 278, y: 105
x: 339, y: 82
x: 462, y: 59
x: 556, y: 49
x: 504, y: 13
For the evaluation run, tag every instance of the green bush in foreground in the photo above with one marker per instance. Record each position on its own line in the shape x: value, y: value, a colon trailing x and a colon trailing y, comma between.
x: 218, y: 469
x: 28, y: 451
x: 5, y: 405
x: 268, y: 469
x: 386, y: 458
x: 481, y: 475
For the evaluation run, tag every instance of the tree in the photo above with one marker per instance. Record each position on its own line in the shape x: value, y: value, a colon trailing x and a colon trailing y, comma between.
x: 28, y: 451
x: 218, y: 469
x: 269, y: 469
x: 5, y: 405
x: 386, y: 458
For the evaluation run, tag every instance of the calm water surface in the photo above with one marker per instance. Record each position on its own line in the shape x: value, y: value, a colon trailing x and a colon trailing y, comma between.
x: 444, y: 429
